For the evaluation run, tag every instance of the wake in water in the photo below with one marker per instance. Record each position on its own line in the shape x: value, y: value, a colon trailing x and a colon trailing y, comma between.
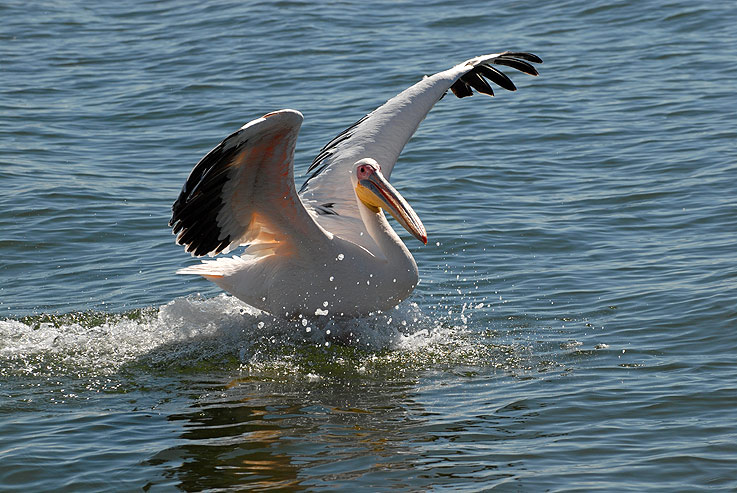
x: 222, y: 333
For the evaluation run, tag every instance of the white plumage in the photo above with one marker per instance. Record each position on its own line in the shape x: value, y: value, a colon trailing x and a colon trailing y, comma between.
x: 328, y: 248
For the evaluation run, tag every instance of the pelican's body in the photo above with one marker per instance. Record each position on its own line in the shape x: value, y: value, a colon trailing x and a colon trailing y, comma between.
x: 321, y: 279
x: 328, y: 249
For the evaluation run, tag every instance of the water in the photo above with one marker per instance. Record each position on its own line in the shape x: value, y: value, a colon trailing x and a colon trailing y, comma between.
x: 574, y: 329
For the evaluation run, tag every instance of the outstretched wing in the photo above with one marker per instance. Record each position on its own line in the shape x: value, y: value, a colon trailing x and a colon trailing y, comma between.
x: 383, y: 133
x: 243, y: 191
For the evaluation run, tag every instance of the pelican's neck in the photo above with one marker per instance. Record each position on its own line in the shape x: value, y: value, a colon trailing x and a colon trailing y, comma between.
x: 390, y: 245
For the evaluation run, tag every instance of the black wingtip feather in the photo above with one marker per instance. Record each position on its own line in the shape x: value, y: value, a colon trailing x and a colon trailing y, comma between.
x: 497, y: 77
x: 477, y: 82
x: 461, y: 89
x: 520, y: 65
x: 530, y: 57
x: 194, y: 213
x: 476, y: 78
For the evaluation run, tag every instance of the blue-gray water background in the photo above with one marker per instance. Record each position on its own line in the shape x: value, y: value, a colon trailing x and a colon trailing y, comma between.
x: 574, y: 328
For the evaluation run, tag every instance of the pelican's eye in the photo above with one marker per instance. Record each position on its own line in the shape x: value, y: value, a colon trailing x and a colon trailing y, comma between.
x: 364, y: 171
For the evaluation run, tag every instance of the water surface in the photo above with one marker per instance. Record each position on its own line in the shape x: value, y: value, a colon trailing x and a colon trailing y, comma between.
x: 574, y: 328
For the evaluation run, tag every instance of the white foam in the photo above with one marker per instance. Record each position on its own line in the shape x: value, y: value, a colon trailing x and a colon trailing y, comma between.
x: 187, y: 331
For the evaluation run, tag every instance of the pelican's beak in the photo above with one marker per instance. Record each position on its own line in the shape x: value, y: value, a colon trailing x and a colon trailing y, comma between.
x: 376, y: 193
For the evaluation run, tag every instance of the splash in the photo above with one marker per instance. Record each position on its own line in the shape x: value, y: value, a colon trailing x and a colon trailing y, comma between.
x: 195, y: 334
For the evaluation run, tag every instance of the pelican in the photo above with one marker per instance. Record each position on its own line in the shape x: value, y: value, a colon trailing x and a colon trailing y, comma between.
x: 327, y: 248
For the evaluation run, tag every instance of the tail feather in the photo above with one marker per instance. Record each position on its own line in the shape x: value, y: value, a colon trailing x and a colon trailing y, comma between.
x: 214, y: 268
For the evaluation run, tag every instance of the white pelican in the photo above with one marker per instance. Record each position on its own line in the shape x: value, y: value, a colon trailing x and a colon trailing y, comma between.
x: 327, y: 248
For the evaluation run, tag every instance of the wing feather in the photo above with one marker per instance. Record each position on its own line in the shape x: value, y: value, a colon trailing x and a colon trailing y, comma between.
x: 383, y: 133
x: 242, y: 192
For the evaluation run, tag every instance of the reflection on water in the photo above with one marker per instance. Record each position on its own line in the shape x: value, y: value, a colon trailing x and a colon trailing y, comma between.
x: 229, y: 444
x: 402, y: 431
x: 263, y: 434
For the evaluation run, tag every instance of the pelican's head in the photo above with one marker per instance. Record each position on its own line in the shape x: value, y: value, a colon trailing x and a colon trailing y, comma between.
x: 375, y: 192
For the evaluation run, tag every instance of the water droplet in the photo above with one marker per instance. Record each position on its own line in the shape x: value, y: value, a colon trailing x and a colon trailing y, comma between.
x: 308, y: 329
x: 340, y: 256
x: 325, y: 303
x: 304, y: 322
x: 260, y: 325
x: 332, y: 278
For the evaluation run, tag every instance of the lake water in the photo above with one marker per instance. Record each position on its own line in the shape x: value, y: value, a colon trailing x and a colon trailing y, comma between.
x: 575, y: 324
